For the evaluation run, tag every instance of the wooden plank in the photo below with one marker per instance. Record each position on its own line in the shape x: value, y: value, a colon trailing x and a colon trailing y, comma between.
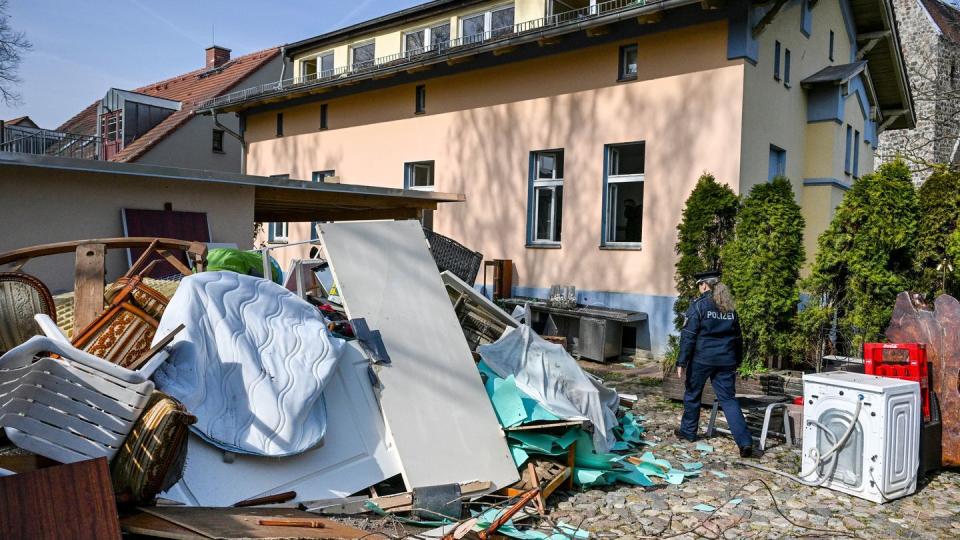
x: 432, y: 397
x: 88, y: 284
x: 245, y: 523
x: 65, y: 501
x: 110, y: 243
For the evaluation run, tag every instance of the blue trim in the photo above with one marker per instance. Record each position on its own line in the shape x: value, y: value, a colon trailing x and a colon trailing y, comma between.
x: 528, y: 239
x: 777, y: 165
x: 603, y: 195
x: 740, y: 41
x: 651, y: 334
x: 826, y: 182
x: 806, y: 18
x: 824, y: 103
x: 869, y: 125
x: 851, y: 29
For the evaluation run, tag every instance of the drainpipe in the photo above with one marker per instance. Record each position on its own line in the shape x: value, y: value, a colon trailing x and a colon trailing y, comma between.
x: 283, y: 63
x: 238, y: 136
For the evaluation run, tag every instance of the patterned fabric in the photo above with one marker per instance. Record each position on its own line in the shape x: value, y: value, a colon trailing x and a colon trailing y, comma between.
x: 65, y: 307
x: 21, y: 297
x: 153, y: 454
x: 126, y: 336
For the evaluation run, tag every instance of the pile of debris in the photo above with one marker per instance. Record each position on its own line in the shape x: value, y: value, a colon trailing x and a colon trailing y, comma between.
x: 227, y: 405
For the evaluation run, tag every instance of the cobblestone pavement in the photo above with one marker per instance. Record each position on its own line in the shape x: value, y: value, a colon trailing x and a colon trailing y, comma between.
x: 668, y: 511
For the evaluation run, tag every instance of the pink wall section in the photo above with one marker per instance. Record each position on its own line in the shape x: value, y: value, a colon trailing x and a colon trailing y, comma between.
x: 481, y: 126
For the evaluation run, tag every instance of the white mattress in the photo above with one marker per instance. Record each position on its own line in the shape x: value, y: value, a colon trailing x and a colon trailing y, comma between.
x: 251, y: 363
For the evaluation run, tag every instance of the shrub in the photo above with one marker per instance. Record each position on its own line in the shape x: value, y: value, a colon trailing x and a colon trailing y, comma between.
x: 864, y: 258
x: 762, y: 267
x: 707, y: 223
x: 939, y: 201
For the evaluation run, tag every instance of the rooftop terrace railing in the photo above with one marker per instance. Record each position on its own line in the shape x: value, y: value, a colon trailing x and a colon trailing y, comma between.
x: 45, y: 142
x: 434, y: 50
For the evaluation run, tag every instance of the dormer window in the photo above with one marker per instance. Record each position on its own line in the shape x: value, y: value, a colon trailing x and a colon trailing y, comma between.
x: 362, y: 56
x: 426, y: 39
x: 481, y: 26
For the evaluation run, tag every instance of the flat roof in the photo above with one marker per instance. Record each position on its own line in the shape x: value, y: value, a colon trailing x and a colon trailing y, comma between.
x: 276, y: 199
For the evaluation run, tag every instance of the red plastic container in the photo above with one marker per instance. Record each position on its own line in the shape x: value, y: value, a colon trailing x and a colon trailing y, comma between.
x: 906, y: 361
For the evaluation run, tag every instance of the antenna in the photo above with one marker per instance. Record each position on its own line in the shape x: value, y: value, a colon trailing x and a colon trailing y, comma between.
x: 213, y: 34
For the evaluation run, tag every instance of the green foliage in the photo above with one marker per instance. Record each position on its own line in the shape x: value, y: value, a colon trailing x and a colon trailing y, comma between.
x: 669, y: 360
x: 939, y: 200
x: 865, y: 257
x: 707, y: 223
x: 762, y: 267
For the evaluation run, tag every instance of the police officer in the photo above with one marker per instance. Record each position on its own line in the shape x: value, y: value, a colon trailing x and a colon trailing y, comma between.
x: 711, y: 346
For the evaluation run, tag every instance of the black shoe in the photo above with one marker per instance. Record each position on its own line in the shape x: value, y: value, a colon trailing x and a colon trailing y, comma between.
x: 746, y: 451
x: 682, y: 435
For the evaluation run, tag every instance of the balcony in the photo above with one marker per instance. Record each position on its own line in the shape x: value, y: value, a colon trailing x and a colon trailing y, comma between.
x: 45, y: 142
x: 558, y: 23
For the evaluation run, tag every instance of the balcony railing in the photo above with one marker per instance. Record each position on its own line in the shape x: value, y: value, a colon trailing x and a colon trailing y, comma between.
x: 44, y: 142
x: 436, y: 50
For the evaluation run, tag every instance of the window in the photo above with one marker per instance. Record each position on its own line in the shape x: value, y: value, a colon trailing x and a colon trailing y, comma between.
x: 856, y: 154
x: 786, y: 68
x: 776, y: 61
x: 319, y: 176
x: 847, y: 155
x: 421, y: 99
x: 308, y: 69
x: 623, y: 216
x: 778, y: 162
x: 277, y: 232
x: 628, y: 62
x: 362, y: 56
x: 426, y: 39
x: 806, y: 17
x: 547, y: 196
x: 218, y: 141
x: 831, y: 45
x: 279, y: 124
x: 323, y: 116
x: 325, y: 64
x: 419, y: 175
x: 481, y: 26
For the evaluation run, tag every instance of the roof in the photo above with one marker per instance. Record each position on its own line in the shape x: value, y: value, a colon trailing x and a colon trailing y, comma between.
x: 25, y: 121
x: 190, y: 89
x: 945, y: 16
x: 835, y: 74
x: 275, y: 199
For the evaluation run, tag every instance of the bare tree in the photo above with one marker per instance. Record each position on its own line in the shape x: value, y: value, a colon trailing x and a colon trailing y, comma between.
x: 12, y: 45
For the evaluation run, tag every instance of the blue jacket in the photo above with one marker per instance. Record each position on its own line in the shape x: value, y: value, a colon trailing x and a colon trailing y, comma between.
x: 710, y: 337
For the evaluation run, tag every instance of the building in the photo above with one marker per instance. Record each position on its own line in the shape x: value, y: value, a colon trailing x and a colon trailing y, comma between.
x: 577, y: 129
x: 930, y: 34
x: 157, y: 123
x: 68, y: 199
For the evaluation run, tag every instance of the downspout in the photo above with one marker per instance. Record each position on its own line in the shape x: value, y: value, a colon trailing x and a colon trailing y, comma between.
x: 283, y: 63
x: 238, y: 136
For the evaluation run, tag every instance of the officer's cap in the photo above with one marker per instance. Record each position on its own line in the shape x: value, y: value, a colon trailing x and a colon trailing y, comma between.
x: 704, y: 276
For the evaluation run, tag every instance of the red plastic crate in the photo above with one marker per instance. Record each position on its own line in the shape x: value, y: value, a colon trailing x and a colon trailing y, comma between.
x: 907, y: 361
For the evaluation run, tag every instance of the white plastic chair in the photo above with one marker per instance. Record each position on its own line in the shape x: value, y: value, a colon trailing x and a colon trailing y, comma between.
x: 72, y: 408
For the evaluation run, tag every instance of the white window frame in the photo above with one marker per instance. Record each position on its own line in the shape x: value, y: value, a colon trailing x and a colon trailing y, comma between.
x: 487, y: 21
x: 427, y: 36
x: 411, y: 167
x: 612, y: 183
x: 278, y: 236
x: 543, y: 184
x: 356, y: 46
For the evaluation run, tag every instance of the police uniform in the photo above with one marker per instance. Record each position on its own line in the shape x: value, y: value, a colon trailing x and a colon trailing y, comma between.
x: 711, y: 346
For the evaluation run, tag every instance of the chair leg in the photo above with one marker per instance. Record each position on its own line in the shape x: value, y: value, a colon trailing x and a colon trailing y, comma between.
x: 766, y: 426
x: 787, y: 430
x: 712, y: 425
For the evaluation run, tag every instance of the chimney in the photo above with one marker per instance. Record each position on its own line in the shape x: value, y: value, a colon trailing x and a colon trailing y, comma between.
x: 217, y: 56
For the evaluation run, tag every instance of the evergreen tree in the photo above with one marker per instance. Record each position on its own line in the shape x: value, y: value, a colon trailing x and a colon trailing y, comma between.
x: 939, y: 200
x: 762, y: 267
x: 864, y: 258
x: 707, y: 223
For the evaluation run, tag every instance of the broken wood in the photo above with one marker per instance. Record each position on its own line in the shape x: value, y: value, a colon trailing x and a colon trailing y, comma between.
x: 293, y: 522
x: 509, y: 513
x: 88, y: 284
x: 267, y: 499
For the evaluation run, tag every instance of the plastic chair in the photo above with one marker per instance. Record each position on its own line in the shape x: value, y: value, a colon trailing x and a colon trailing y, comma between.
x: 767, y: 414
x: 71, y: 408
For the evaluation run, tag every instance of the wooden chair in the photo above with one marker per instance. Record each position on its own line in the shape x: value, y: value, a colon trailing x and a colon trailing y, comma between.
x: 21, y: 297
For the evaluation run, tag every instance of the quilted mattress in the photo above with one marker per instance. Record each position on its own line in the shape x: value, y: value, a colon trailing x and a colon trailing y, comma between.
x: 251, y: 363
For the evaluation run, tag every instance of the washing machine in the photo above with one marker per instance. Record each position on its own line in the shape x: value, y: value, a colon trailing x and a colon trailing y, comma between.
x: 879, y: 458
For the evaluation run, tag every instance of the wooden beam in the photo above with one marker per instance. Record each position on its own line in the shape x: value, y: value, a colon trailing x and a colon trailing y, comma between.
x: 768, y: 18
x: 879, y: 34
x: 650, y: 18
x: 598, y: 31
x: 419, y: 69
x: 43, y: 250
x: 504, y: 50
x: 890, y: 117
x: 867, y: 47
x: 88, y: 284
x: 338, y: 215
x: 546, y: 41
x: 460, y: 59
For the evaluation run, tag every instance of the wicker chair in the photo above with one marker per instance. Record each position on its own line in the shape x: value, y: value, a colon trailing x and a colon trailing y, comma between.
x: 21, y: 297
x: 454, y: 256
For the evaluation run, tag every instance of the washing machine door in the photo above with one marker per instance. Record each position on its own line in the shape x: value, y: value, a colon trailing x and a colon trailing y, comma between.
x: 847, y: 468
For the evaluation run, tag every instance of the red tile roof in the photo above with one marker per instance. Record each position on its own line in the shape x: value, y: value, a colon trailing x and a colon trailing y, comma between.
x: 946, y: 17
x: 25, y: 120
x: 189, y: 89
